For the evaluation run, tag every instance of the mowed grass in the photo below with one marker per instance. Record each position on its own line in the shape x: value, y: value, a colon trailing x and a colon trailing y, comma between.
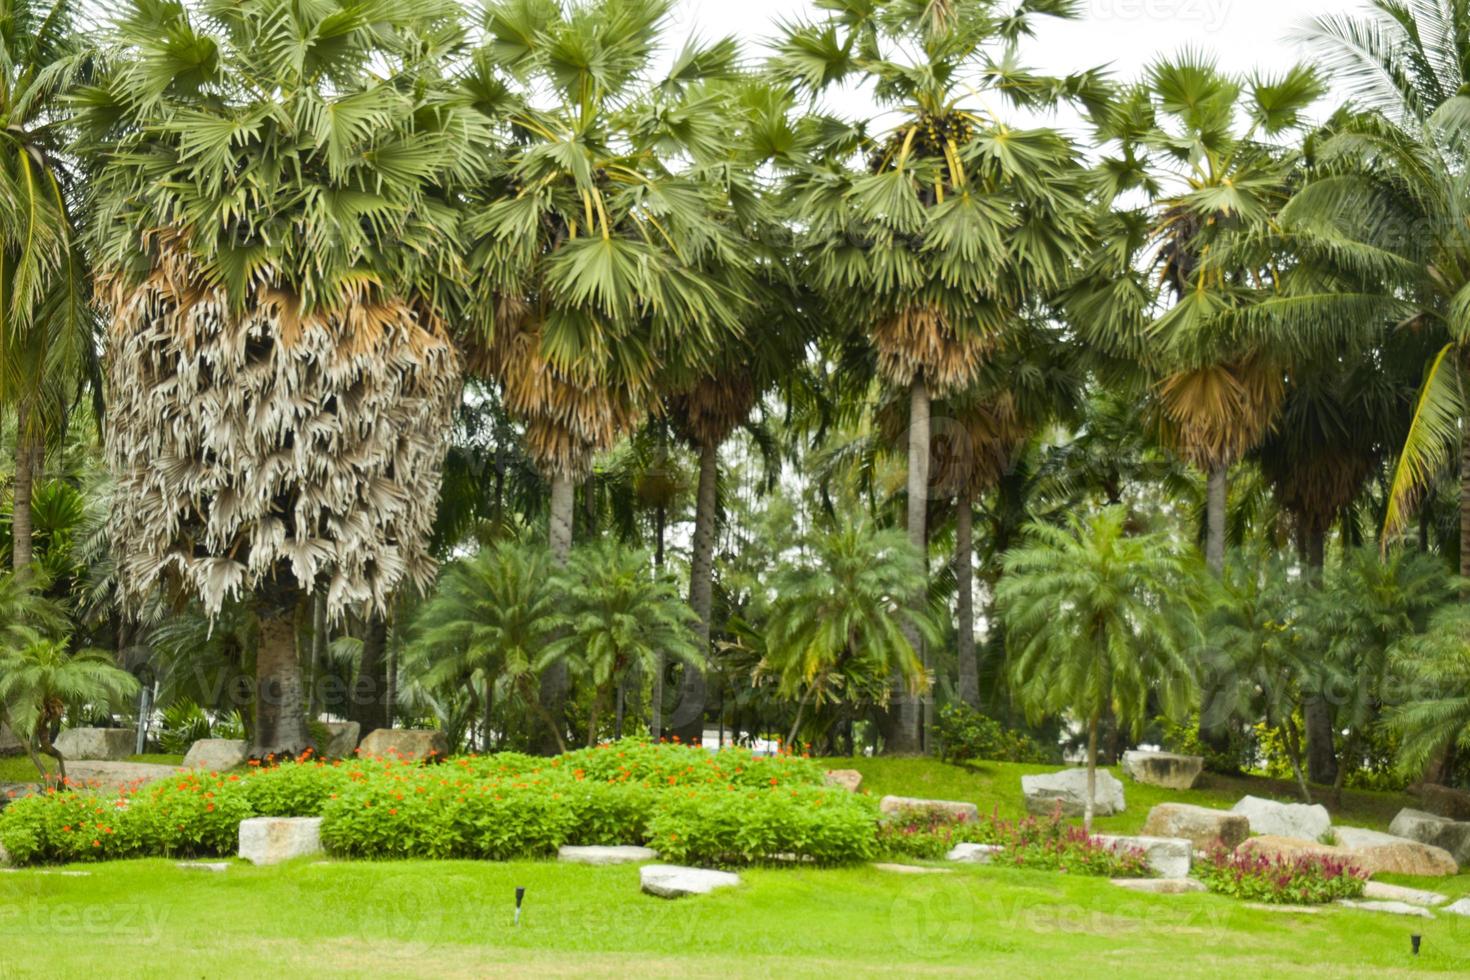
x: 20, y: 769
x: 454, y: 918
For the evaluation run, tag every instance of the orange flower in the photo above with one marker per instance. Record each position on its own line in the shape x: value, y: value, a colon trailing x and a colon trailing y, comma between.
x: 96, y: 843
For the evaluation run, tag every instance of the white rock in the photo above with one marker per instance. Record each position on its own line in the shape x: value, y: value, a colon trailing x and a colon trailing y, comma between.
x: 974, y: 853
x: 1300, y: 821
x: 1164, y: 769
x: 342, y: 739
x: 1459, y: 907
x: 1398, y: 893
x: 1069, y: 789
x: 216, y: 867
x: 271, y: 840
x: 104, y: 744
x: 1160, y: 886
x: 217, y: 754
x: 1168, y: 857
x: 1395, y: 908
x: 673, y: 881
x: 1426, y: 828
x: 909, y: 869
x: 605, y: 855
x: 892, y: 806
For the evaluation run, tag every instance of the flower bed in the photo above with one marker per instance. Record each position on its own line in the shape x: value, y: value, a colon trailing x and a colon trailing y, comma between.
x: 1306, y: 879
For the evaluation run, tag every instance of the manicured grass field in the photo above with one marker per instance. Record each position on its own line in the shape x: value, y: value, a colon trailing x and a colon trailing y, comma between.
x: 453, y: 919
x: 20, y: 769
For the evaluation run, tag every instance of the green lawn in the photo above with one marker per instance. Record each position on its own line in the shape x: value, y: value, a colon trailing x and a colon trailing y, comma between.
x: 453, y: 919
x: 20, y: 769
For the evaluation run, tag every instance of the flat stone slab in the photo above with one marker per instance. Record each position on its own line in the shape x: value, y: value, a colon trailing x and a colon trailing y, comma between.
x: 216, y: 867
x: 1394, y: 908
x: 47, y: 871
x: 409, y: 744
x: 1067, y: 790
x: 1382, y: 891
x: 271, y: 840
x: 113, y: 776
x: 1297, y: 820
x: 606, y: 855
x: 106, y: 744
x: 1380, y: 853
x: 342, y: 739
x: 217, y: 754
x: 909, y: 869
x: 1168, y: 857
x: 1428, y: 828
x: 1164, y: 769
x: 893, y: 806
x: 1160, y: 886
x: 974, y: 853
x: 673, y: 881
x: 1458, y: 907
x: 1202, y: 826
x: 1298, y: 909
x: 849, y: 779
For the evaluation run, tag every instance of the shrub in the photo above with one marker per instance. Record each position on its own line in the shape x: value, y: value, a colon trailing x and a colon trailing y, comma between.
x: 184, y: 723
x: 966, y: 734
x: 293, y: 789
x: 1306, y: 879
x: 742, y: 826
x: 64, y: 826
x: 927, y: 832
x: 1044, y: 844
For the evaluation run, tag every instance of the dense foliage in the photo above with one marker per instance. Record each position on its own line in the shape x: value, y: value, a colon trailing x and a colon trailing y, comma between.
x: 1300, y: 880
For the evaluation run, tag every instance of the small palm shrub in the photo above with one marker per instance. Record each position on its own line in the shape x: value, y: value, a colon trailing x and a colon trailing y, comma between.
x: 184, y: 723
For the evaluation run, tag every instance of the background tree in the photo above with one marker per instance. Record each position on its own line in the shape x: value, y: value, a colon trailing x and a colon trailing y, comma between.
x: 41, y: 678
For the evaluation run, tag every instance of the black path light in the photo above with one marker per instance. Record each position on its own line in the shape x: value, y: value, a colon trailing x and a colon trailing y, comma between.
x: 1415, y: 940
x: 521, y: 894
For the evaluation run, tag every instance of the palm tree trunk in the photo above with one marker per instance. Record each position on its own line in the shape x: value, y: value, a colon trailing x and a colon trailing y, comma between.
x: 280, y: 703
x: 371, y: 692
x: 688, y: 720
x: 969, y: 684
x: 1090, y: 806
x: 904, y: 737
x: 318, y: 652
x: 21, y: 546
x: 1213, y: 731
x: 1294, y: 755
x: 1322, y: 762
x: 1216, y: 491
x: 800, y: 710
x: 43, y: 741
x: 554, y: 677
x: 1465, y: 505
x: 489, y: 708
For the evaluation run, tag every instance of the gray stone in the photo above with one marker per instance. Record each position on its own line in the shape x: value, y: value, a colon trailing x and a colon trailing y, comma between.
x: 106, y: 744
x: 215, y: 867
x: 848, y: 779
x: 1398, y: 893
x: 1394, y: 908
x: 606, y: 855
x: 673, y: 881
x: 1202, y: 826
x: 217, y: 754
x: 909, y: 869
x: 1168, y: 857
x: 1300, y: 821
x: 1443, y: 801
x: 10, y: 792
x: 342, y: 739
x: 1160, y: 886
x: 1459, y: 907
x: 109, y: 777
x: 1068, y: 789
x: 974, y: 853
x: 1164, y: 769
x: 408, y: 744
x: 271, y: 840
x: 1427, y: 828
x: 1380, y: 853
x: 893, y: 806
x: 9, y: 744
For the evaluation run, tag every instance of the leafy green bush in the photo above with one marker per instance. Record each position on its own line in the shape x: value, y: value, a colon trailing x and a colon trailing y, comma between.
x: 741, y: 826
x: 293, y: 789
x: 966, y: 734
x: 927, y: 832
x: 1301, y: 880
x: 1239, y: 754
x: 184, y: 723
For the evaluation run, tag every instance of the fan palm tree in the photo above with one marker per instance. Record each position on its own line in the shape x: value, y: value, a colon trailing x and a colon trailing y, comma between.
x: 46, y: 323
x: 1100, y: 620
x: 41, y: 678
x: 276, y: 237
x: 929, y: 235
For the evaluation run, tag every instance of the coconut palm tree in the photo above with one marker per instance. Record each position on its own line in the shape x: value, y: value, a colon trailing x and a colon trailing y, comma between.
x: 930, y: 233
x: 275, y: 230
x: 1101, y: 620
x: 46, y: 322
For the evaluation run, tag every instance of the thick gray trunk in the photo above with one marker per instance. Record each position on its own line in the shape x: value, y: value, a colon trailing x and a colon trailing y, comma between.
x: 280, y: 701
x: 688, y: 720
x: 904, y: 739
x: 554, y: 677
x: 1090, y: 806
x: 1216, y: 673
x: 21, y: 535
x: 964, y: 548
x: 1216, y: 488
x: 371, y: 693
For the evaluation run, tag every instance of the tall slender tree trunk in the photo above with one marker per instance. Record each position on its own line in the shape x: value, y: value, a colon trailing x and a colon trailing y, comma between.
x: 964, y: 549
x: 1213, y: 727
x: 554, y: 677
x: 1090, y: 806
x: 314, y: 699
x: 280, y: 698
x: 1317, y: 713
x: 1465, y: 504
x: 372, y: 691
x: 688, y: 720
x: 1216, y: 491
x: 904, y: 738
x: 21, y: 546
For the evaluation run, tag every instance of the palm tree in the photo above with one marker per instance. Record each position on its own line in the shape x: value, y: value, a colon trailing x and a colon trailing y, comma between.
x: 930, y: 235
x: 487, y: 624
x: 275, y: 231
x: 605, y: 250
x: 614, y: 614
x: 46, y: 324
x: 842, y: 621
x: 40, y: 679
x: 1436, y: 666
x: 1100, y: 620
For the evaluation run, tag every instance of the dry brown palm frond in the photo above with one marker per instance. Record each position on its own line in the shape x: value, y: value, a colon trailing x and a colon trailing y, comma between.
x: 922, y: 342
x: 1213, y: 415
x: 709, y: 411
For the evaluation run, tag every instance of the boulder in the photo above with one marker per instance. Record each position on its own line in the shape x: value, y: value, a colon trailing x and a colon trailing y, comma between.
x: 1068, y: 789
x: 1426, y: 828
x: 974, y: 853
x: 106, y: 744
x: 215, y: 867
x: 605, y: 855
x: 342, y: 739
x: 1163, y: 769
x: 1398, y: 893
x: 1168, y: 857
x: 217, y: 754
x: 109, y: 777
x: 1300, y: 821
x: 848, y: 779
x: 1379, y: 853
x: 672, y: 881
x: 1161, y: 886
x: 1459, y: 907
x: 1202, y: 826
x: 1442, y: 801
x: 894, y: 806
x: 1394, y: 908
x: 1290, y: 847
x: 9, y: 792
x: 271, y: 840
x: 409, y: 744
